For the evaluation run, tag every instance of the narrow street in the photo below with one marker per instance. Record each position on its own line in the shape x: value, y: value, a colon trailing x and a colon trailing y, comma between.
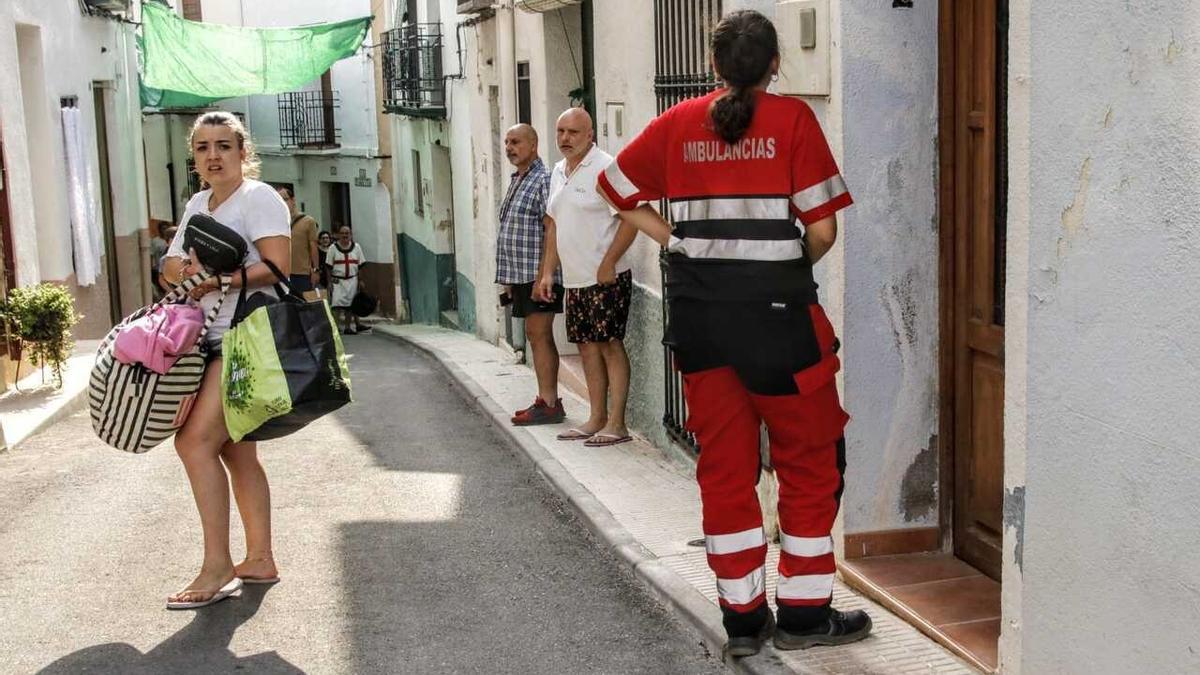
x: 410, y: 539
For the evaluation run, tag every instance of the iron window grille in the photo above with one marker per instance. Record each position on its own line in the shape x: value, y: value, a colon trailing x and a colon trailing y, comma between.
x: 412, y: 71
x: 682, y: 32
x: 306, y: 119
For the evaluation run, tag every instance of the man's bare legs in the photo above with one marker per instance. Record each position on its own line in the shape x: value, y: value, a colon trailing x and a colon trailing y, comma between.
x: 595, y: 373
x: 616, y: 363
x: 539, y: 333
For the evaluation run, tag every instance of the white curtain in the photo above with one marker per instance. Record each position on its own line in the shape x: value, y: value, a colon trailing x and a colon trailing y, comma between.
x: 81, y: 186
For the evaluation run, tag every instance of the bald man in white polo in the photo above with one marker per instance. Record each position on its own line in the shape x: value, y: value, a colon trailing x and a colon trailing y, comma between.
x: 589, y: 241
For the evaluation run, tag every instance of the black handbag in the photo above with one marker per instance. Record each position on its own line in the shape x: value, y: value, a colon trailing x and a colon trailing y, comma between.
x: 219, y: 248
x: 363, y: 304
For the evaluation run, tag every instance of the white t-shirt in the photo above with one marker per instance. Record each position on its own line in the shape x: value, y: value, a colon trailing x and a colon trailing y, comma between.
x: 585, y: 225
x: 254, y: 211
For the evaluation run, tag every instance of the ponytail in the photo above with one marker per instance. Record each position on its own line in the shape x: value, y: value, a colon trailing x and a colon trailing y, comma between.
x: 732, y: 113
x: 744, y: 44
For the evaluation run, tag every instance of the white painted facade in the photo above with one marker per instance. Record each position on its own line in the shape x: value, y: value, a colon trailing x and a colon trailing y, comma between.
x: 1103, y: 290
x: 1097, y: 571
x: 50, y: 50
x: 314, y: 173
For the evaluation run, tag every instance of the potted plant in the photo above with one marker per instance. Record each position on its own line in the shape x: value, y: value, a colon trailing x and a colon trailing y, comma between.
x: 39, y: 318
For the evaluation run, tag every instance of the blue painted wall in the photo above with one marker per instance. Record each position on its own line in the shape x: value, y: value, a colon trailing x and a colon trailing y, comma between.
x: 428, y: 280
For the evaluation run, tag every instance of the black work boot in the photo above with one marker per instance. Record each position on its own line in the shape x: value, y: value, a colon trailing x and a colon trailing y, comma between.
x: 838, y: 628
x: 748, y: 643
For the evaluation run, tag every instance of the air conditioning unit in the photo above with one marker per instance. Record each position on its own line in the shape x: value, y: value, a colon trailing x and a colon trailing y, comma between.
x: 108, y: 5
x: 473, y: 6
x: 540, y: 6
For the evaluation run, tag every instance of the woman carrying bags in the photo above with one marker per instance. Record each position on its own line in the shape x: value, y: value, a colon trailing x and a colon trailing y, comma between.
x: 228, y: 166
x: 743, y: 169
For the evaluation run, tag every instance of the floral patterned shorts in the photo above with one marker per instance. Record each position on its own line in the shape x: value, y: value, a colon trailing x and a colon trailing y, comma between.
x: 599, y: 313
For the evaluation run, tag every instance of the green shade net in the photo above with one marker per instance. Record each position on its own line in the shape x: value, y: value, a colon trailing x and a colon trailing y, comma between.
x: 192, y: 64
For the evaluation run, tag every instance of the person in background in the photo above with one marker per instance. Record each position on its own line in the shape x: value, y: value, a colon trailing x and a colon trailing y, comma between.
x: 228, y: 166
x: 519, y: 243
x: 345, y: 260
x: 324, y: 242
x: 754, y: 190
x: 306, y: 263
x: 161, y: 287
x: 590, y: 242
x: 158, y: 248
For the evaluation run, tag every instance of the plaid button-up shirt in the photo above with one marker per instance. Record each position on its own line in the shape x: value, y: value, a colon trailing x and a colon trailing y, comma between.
x: 522, y: 234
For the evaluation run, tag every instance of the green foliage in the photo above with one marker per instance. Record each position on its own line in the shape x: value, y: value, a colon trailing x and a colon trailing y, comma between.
x: 41, y: 317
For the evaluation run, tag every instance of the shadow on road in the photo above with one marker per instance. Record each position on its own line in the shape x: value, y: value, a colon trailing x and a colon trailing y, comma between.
x: 488, y: 571
x: 200, y: 647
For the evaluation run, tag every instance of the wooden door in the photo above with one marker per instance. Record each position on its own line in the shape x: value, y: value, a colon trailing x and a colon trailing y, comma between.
x: 974, y: 37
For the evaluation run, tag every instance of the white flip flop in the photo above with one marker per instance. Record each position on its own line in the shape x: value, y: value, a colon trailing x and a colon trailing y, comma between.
x: 226, y: 591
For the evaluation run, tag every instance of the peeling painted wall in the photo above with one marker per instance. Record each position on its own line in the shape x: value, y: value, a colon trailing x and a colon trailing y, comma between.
x: 1108, y: 541
x: 890, y: 332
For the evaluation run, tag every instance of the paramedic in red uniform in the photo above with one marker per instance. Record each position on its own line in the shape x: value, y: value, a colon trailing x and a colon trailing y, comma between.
x: 753, y: 189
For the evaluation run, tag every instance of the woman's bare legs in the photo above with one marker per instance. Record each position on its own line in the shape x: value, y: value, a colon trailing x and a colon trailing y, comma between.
x: 253, y: 496
x: 199, y: 445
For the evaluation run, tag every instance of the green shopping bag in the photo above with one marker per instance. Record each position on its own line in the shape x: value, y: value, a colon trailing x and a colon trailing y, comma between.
x: 283, y: 365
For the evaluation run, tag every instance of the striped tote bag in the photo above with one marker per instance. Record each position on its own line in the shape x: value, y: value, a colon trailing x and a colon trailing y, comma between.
x: 134, y: 408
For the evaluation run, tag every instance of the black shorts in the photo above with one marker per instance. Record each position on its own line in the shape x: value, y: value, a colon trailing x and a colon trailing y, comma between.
x: 523, y: 303
x: 599, y: 313
x: 765, y: 343
x: 213, y: 353
x: 300, y: 283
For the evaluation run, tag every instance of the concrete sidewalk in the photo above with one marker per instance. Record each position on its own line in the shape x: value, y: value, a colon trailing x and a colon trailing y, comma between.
x: 648, y: 508
x: 34, y: 405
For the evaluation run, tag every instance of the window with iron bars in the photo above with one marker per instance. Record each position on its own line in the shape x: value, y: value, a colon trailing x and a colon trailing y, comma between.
x: 412, y: 71
x: 682, y: 32
x: 306, y: 119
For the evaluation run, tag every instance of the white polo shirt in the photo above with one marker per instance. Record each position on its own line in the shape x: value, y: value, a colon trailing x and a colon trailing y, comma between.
x: 585, y: 225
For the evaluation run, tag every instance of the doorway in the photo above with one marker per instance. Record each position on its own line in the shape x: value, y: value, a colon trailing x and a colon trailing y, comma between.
x: 8, y: 267
x: 100, y: 94
x: 8, y: 263
x: 336, y: 212
x: 442, y: 212
x: 973, y: 216
x: 948, y: 584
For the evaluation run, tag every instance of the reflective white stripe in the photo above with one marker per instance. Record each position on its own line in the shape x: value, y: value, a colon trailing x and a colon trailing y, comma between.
x: 738, y: 249
x: 807, y: 547
x: 818, y: 195
x: 748, y: 208
x: 807, y: 587
x: 743, y: 591
x: 624, y: 187
x: 720, y: 544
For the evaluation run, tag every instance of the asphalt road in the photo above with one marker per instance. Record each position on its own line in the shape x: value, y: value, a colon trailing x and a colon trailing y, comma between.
x: 410, y: 537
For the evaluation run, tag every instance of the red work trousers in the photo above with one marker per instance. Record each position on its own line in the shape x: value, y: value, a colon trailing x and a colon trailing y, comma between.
x: 807, y: 451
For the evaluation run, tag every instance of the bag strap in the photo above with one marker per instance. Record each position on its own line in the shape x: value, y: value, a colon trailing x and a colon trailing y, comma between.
x: 180, y: 292
x: 282, y: 287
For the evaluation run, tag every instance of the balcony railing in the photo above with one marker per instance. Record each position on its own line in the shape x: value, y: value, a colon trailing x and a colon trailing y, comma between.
x: 306, y: 119
x: 412, y: 71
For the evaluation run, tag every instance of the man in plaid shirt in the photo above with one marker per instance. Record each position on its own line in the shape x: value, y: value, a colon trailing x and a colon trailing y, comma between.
x: 519, y: 248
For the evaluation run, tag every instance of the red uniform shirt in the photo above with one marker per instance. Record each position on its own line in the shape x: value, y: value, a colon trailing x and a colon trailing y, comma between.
x: 734, y: 206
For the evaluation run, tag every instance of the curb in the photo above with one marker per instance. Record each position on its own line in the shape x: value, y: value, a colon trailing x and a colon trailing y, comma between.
x: 69, y: 407
x: 663, y: 583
